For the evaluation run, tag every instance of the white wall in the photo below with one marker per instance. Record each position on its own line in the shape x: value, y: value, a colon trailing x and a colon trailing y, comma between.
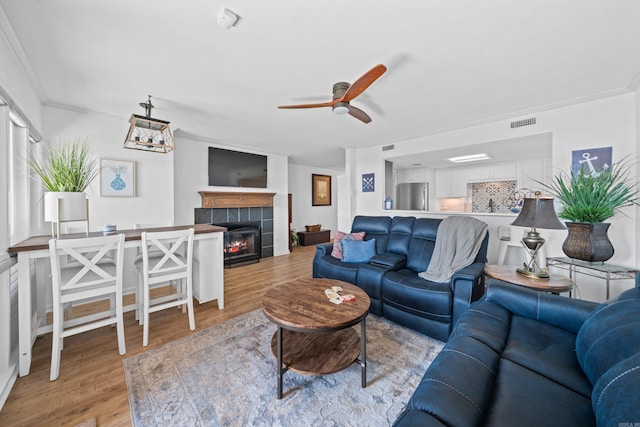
x: 14, y: 83
x: 167, y: 185
x: 300, y: 188
x: 14, y: 79
x: 191, y: 176
x: 601, y: 123
x: 154, y: 171
x: 637, y: 210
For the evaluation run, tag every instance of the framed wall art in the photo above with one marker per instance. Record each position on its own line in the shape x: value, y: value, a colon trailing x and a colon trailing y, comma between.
x: 320, y: 190
x: 591, y: 160
x: 368, y: 182
x: 117, y: 178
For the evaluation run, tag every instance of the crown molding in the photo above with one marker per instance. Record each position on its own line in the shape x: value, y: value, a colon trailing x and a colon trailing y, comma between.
x: 7, y: 33
x: 84, y: 110
x: 634, y: 84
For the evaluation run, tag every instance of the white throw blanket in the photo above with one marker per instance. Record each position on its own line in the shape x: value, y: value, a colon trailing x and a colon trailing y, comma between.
x: 457, y: 244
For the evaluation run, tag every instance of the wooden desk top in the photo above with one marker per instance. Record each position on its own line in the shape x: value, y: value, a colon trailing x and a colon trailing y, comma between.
x: 42, y: 242
x: 555, y: 283
x: 301, y: 305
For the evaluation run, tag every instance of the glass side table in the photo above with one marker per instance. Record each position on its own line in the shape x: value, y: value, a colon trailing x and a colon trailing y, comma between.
x: 601, y: 270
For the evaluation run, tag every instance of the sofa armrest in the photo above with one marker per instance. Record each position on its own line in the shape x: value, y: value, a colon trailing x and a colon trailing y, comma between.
x: 389, y: 261
x: 467, y: 285
x: 323, y: 249
x: 470, y: 272
x: 556, y: 310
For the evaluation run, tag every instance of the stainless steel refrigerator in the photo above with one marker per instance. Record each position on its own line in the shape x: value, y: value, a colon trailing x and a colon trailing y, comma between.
x: 412, y: 196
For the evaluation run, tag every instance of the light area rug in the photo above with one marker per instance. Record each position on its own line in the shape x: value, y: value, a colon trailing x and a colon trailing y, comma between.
x: 226, y: 376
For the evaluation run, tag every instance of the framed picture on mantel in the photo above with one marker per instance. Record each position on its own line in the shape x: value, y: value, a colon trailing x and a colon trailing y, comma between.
x: 320, y: 190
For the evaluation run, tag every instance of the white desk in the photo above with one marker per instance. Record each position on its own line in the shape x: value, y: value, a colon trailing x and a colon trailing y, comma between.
x: 208, y: 276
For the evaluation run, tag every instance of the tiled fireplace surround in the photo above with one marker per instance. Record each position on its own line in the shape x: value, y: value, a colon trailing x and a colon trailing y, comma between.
x: 264, y: 214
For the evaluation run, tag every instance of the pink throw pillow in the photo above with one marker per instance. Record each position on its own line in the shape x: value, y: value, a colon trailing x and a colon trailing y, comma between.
x: 339, y: 235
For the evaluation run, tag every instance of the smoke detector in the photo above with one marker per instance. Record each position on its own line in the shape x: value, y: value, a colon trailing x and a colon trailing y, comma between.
x: 226, y: 19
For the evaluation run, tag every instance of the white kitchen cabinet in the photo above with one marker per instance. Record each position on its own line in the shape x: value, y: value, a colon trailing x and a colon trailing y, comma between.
x: 412, y: 175
x: 475, y: 173
x: 458, y: 182
x: 532, y: 170
x: 503, y: 171
x: 451, y: 182
x: 442, y: 183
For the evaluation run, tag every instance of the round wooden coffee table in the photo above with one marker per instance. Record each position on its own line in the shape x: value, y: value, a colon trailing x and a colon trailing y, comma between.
x: 507, y: 273
x: 317, y: 333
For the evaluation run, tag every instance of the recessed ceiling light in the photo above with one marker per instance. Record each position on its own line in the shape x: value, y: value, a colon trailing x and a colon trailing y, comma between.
x: 416, y: 164
x: 470, y: 158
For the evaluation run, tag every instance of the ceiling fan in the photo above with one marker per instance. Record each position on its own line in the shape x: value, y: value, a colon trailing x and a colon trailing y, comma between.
x: 344, y: 93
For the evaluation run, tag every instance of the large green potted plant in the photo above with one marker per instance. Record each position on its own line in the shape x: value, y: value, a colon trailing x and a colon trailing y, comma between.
x: 589, y: 199
x: 65, y: 170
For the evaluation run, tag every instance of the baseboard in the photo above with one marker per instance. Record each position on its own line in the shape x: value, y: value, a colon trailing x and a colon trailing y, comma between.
x: 7, y: 380
x: 280, y: 253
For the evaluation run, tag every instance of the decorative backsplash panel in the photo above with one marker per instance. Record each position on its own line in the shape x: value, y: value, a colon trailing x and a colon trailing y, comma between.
x: 491, y: 196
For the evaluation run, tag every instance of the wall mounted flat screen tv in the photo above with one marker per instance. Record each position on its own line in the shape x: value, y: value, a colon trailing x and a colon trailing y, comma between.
x: 230, y: 168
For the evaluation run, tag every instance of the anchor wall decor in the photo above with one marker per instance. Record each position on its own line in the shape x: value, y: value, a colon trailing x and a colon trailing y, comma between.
x: 593, y: 160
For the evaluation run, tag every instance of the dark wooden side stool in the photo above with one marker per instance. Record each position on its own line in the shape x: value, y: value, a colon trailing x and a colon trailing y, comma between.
x: 308, y: 238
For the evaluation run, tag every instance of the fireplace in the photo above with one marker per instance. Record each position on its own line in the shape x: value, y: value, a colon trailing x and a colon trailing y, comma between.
x: 252, y: 208
x: 242, y: 243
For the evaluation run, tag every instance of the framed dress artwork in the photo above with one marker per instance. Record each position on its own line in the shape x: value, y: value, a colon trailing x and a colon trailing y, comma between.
x: 320, y: 190
x: 117, y: 178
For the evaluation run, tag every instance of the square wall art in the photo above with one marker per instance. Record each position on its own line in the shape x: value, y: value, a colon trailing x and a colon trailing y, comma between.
x: 117, y: 178
x: 593, y: 160
x: 368, y: 183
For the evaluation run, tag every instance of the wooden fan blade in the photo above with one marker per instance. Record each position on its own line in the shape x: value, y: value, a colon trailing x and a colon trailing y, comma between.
x: 363, y: 82
x: 323, y: 104
x: 359, y: 114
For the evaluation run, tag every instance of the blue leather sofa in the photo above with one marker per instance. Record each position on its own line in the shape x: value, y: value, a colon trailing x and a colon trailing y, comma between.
x: 525, y: 358
x: 404, y: 246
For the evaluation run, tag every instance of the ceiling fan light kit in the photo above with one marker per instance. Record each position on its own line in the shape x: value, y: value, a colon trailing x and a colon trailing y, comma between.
x: 341, y: 108
x: 344, y: 93
x: 149, y: 134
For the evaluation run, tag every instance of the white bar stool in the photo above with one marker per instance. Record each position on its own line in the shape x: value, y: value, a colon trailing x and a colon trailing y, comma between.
x: 137, y: 306
x: 85, y: 279
x: 166, y: 256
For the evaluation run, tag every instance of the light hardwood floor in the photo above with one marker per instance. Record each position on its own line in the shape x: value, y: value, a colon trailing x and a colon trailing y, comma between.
x: 92, y: 383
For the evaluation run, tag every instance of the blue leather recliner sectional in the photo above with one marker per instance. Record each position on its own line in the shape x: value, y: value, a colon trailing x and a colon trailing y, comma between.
x: 404, y: 246
x: 526, y: 358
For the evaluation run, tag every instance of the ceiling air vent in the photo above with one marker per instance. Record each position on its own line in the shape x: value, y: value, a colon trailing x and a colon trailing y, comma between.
x: 525, y: 122
x: 388, y: 147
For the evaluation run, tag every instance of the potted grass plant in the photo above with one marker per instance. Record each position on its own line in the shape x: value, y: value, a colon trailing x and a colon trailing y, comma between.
x: 588, y: 200
x: 65, y: 170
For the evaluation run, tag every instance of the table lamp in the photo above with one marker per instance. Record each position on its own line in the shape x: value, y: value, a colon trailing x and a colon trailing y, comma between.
x: 537, y: 212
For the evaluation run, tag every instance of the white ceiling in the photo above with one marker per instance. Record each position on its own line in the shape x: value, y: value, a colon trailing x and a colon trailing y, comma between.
x: 450, y: 63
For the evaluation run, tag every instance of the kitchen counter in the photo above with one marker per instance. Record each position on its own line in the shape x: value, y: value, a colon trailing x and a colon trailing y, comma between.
x: 395, y: 212
x: 493, y: 220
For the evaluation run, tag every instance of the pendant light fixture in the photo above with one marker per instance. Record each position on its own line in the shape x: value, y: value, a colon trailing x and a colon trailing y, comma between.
x: 149, y: 134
